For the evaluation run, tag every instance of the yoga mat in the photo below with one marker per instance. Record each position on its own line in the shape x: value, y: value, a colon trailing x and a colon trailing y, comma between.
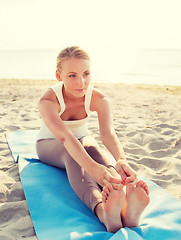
x: 57, y: 213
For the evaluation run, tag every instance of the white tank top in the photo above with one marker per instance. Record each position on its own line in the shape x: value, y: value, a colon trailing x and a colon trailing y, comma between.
x: 78, y: 127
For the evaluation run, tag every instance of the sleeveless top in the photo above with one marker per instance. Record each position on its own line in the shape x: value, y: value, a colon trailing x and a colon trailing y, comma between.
x: 78, y: 127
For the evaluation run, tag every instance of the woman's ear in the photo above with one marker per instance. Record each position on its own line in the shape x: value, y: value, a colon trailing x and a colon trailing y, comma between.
x: 58, y: 75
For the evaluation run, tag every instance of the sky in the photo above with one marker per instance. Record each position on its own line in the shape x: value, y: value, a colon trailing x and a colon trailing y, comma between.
x: 117, y: 24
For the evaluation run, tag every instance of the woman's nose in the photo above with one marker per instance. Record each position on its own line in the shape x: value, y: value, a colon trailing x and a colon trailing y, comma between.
x: 81, y: 81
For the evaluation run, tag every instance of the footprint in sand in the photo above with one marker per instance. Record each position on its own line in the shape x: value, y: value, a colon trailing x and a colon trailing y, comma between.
x: 12, y: 128
x: 157, y: 145
x: 152, y: 163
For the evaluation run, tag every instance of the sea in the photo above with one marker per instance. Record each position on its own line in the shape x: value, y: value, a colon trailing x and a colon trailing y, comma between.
x: 140, y: 66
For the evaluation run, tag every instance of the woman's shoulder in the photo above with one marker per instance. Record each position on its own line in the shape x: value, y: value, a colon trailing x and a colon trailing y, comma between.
x: 96, y: 93
x: 98, y: 98
x: 50, y: 93
x: 57, y: 87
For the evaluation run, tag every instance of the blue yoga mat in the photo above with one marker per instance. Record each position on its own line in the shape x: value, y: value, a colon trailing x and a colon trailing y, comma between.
x: 57, y: 213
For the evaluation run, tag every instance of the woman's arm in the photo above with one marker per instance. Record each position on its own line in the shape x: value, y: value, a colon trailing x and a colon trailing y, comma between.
x: 108, y: 136
x: 49, y: 110
x: 110, y: 140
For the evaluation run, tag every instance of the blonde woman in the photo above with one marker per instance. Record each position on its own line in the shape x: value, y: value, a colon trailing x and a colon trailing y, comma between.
x: 64, y: 142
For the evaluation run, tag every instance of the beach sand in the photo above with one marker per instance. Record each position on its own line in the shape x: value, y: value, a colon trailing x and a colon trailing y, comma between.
x: 146, y: 119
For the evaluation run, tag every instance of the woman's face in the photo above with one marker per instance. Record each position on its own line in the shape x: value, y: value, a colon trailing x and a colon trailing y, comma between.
x: 75, y: 74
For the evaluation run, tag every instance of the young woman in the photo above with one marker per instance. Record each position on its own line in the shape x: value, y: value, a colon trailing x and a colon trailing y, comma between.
x: 64, y: 142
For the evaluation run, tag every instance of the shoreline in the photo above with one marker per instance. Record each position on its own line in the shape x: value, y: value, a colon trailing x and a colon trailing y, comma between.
x: 94, y: 82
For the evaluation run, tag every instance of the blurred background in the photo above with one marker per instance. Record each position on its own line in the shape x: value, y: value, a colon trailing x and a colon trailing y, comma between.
x: 128, y: 41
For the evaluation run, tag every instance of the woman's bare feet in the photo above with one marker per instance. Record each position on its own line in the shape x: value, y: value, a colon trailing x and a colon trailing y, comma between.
x: 136, y: 201
x: 113, y: 201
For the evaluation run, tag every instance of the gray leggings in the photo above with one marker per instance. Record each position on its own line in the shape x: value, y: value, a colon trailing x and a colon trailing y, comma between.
x: 52, y: 152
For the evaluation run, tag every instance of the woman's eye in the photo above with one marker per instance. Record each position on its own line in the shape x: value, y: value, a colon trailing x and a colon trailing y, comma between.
x: 72, y: 76
x: 87, y: 74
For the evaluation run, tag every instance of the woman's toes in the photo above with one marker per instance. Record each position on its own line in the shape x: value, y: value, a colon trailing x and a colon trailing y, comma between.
x: 143, y: 185
x: 104, y: 194
x: 104, y: 198
x: 110, y: 187
x: 106, y: 190
x: 139, y: 183
x: 146, y: 188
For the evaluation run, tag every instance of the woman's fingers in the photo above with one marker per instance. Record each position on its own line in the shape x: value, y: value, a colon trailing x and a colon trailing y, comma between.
x: 121, y: 172
x: 112, y: 179
x: 116, y: 182
x: 107, y: 176
x: 131, y: 181
x: 117, y: 186
x: 128, y: 170
x: 121, y: 169
x: 127, y: 173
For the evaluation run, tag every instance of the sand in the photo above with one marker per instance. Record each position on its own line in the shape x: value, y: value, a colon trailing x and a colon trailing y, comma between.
x: 146, y: 119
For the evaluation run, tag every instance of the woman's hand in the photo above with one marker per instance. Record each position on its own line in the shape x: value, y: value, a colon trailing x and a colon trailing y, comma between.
x: 103, y: 175
x: 128, y: 175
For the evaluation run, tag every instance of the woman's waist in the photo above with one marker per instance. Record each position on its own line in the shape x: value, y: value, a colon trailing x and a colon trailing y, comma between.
x: 78, y: 130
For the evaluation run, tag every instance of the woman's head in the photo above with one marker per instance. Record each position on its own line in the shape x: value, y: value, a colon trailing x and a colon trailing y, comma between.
x: 73, y: 68
x: 71, y: 52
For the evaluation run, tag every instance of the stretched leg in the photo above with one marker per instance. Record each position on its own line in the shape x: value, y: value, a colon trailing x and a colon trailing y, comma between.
x: 108, y: 211
x: 136, y: 197
x: 83, y: 185
x: 107, y: 208
x: 136, y: 201
x: 52, y: 152
x: 113, y: 199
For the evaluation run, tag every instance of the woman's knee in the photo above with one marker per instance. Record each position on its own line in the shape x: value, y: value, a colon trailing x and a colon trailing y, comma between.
x: 96, y: 153
x: 93, y: 151
x: 90, y: 145
x: 99, y: 155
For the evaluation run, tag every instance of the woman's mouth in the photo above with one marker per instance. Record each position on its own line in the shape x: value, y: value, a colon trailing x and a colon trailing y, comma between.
x: 80, y: 90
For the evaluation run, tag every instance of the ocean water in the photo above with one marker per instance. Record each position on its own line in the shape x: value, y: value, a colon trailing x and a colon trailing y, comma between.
x: 147, y: 66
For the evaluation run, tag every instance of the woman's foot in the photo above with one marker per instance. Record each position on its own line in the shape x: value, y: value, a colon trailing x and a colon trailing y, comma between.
x: 137, y: 199
x: 113, y: 201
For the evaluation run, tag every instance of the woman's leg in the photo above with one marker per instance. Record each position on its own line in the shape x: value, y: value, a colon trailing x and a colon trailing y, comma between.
x: 52, y: 152
x: 94, y: 150
x: 137, y: 198
x: 113, y: 200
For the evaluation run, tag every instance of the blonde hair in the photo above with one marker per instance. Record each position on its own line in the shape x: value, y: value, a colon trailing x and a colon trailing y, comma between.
x: 71, y: 52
